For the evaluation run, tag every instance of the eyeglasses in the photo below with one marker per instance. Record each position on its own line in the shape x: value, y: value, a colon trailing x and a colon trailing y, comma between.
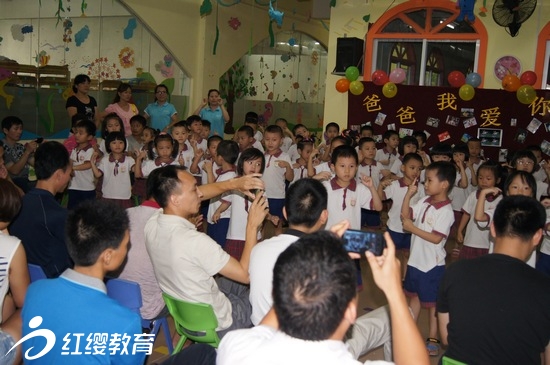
x: 527, y: 163
x: 162, y: 92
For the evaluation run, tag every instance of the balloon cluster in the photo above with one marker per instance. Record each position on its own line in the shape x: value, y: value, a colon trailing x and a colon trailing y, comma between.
x: 350, y: 82
x: 522, y: 86
x: 467, y: 84
x: 388, y: 83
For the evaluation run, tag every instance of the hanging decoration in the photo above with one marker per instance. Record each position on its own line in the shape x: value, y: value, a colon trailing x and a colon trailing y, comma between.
x: 42, y: 58
x: 81, y: 35
x: 275, y: 15
x: 101, y: 69
x: 217, y: 33
x: 206, y: 7
x: 483, y: 9
x: 67, y: 31
x: 60, y: 9
x: 5, y: 76
x: 466, y: 10
x: 166, y: 66
x: 129, y: 30
x: 83, y: 7
x: 234, y: 23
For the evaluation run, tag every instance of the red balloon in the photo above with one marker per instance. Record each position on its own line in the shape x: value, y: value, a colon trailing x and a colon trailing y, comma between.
x: 380, y: 77
x: 456, y: 79
x: 511, y: 83
x: 342, y: 85
x: 528, y: 78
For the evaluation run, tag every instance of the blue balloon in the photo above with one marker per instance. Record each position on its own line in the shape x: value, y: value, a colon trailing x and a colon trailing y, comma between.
x: 473, y: 79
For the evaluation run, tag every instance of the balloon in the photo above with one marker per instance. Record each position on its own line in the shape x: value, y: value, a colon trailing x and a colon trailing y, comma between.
x: 456, y: 79
x: 466, y: 92
x: 398, y: 75
x: 389, y: 90
x: 379, y: 77
x: 528, y: 78
x: 473, y: 79
x: 526, y: 94
x: 342, y: 85
x: 511, y: 83
x: 356, y: 87
x: 352, y: 73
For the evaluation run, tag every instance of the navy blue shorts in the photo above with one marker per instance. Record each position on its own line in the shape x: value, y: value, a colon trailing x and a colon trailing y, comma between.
x: 276, y: 207
x: 218, y: 231
x: 402, y: 240
x: 423, y: 284
x: 543, y: 263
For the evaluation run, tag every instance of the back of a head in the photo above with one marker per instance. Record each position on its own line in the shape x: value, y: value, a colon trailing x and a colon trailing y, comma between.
x: 165, y: 183
x: 518, y: 216
x: 305, y: 201
x: 10, y: 201
x: 49, y: 157
x: 92, y: 227
x: 251, y: 117
x: 313, y: 284
x: 228, y: 150
x: 445, y: 171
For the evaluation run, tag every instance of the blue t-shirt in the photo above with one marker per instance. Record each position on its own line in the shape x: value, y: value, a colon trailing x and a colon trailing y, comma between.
x: 215, y: 117
x: 89, y: 327
x: 160, y: 114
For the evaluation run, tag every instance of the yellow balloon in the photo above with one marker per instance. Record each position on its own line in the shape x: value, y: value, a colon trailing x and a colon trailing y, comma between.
x: 466, y: 92
x: 526, y: 94
x: 356, y: 87
x: 389, y: 89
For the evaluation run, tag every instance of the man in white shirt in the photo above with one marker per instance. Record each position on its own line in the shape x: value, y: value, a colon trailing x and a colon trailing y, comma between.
x: 315, y: 303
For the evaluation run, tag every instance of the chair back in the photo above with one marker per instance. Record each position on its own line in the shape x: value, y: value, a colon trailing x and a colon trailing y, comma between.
x: 36, y: 272
x: 195, y: 321
x: 125, y: 292
x: 448, y: 361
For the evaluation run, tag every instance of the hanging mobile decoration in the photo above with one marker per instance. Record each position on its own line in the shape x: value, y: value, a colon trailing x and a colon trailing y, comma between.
x: 217, y: 32
x: 277, y: 17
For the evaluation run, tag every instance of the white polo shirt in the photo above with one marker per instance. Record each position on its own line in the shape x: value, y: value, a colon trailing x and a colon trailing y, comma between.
x: 383, y: 154
x: 396, y: 192
x: 149, y: 165
x: 293, y: 152
x: 258, y: 145
x: 434, y: 218
x: 373, y: 170
x: 217, y: 201
x: 346, y: 203
x: 274, y: 176
x: 478, y: 236
x: 458, y: 195
x: 116, y: 179
x: 82, y: 180
x: 187, y: 154
x: 396, y: 167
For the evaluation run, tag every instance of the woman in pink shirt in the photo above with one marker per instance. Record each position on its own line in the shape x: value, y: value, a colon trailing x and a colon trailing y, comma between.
x: 123, y: 106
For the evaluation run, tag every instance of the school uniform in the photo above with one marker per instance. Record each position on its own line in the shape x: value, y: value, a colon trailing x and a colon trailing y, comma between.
x: 81, y: 186
x: 218, y: 231
x: 274, y: 180
x: 383, y: 154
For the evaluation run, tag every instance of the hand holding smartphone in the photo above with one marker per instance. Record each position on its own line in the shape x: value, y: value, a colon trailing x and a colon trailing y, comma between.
x: 361, y: 241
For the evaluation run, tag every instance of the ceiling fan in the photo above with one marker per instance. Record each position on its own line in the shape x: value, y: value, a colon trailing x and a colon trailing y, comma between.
x: 512, y: 13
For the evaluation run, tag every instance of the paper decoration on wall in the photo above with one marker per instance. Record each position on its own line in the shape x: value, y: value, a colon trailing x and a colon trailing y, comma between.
x: 60, y: 10
x: 101, y: 69
x: 83, y: 7
x: 126, y: 57
x: 42, y: 58
x: 292, y: 42
x: 166, y: 67
x: 5, y: 76
x: 466, y: 10
x: 51, y: 46
x: 314, y: 58
x: 545, y: 146
x: 275, y: 15
x: 267, y: 114
x: 81, y: 35
x: 27, y: 29
x: 234, y: 23
x: 206, y: 7
x: 16, y: 32
x: 366, y: 18
x: 129, y: 30
x: 67, y: 31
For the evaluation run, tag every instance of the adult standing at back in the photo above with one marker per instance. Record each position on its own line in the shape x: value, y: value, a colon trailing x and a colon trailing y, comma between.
x: 123, y: 106
x: 161, y: 113
x: 212, y: 110
x: 81, y: 102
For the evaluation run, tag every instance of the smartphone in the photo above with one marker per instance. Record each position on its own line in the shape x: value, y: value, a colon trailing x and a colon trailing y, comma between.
x: 39, y: 140
x: 361, y: 241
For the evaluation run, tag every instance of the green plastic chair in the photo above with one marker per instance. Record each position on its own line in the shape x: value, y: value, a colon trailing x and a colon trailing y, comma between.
x: 194, y: 321
x: 448, y: 361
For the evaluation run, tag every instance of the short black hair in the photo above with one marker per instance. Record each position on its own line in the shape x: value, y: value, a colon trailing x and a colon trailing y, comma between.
x: 442, y: 149
x: 343, y: 151
x: 77, y: 118
x: 165, y: 183
x: 492, y: 166
x: 140, y: 119
x: 366, y: 128
x: 412, y: 156
x: 115, y: 136
x: 88, y: 126
x: 534, y: 147
x: 250, y: 154
x: 107, y: 118
x: 525, y: 177
x: 305, y: 201
x: 163, y: 137
x: 251, y: 117
x: 344, y: 140
x: 332, y: 125
x: 281, y: 120
x: 473, y: 139
x: 364, y: 140
x: 10, y: 121
x: 193, y: 118
x: 524, y: 154
x: 303, y: 143
x: 406, y: 141
x: 228, y: 150
x: 246, y: 129
x: 150, y: 183
x: 274, y: 129
x: 213, y: 139
x: 49, y: 157
x: 445, y: 171
x: 183, y: 124
x: 80, y: 79
x: 92, y: 227
x: 420, y: 134
x: 462, y: 148
x: 313, y: 284
x: 206, y: 123
x: 296, y: 127
x: 10, y: 201
x: 519, y: 216
x: 387, y: 134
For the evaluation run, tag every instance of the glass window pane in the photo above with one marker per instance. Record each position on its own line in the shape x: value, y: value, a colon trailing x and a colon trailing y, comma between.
x: 406, y: 55
x: 398, y: 26
x: 457, y: 56
x: 419, y: 17
x: 439, y: 16
x: 455, y: 28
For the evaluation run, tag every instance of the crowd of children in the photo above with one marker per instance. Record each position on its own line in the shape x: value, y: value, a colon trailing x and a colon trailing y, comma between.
x: 450, y: 191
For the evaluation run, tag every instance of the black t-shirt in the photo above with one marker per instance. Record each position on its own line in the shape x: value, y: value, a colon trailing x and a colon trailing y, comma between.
x: 87, y: 109
x: 499, y: 311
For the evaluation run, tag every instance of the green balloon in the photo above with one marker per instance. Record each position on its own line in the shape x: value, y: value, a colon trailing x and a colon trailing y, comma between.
x: 352, y: 73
